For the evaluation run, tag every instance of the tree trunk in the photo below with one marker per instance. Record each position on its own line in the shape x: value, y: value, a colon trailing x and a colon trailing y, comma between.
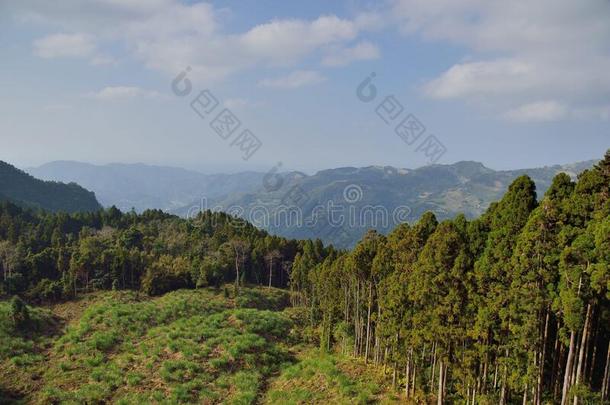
x: 270, y: 271
x: 568, y: 369
x: 413, y: 376
x: 594, y: 341
x: 432, y: 374
x: 503, y: 387
x: 439, y: 398
x: 583, y: 349
x: 237, y: 272
x: 445, y: 374
x: 538, y: 393
x: 606, y: 380
x: 407, y: 379
x: 556, y: 361
x: 474, y: 396
x: 557, y: 376
x: 483, y: 378
x: 368, y: 324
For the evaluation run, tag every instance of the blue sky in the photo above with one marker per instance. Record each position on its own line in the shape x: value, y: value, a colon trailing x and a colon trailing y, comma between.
x: 511, y: 84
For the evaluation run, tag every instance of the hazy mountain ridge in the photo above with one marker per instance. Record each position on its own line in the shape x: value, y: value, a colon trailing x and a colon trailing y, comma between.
x: 464, y: 187
x: 447, y: 190
x: 143, y: 187
x: 23, y: 189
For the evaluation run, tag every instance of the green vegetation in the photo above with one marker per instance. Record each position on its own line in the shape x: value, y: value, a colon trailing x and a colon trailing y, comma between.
x: 322, y: 378
x: 49, y: 257
x: 187, y: 346
x: 184, y: 347
x: 24, y: 333
x: 22, y: 189
x: 512, y: 307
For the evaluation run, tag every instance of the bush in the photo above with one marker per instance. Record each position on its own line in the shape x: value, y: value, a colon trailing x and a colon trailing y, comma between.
x: 19, y: 313
x: 47, y: 290
x: 271, y: 299
x: 167, y: 274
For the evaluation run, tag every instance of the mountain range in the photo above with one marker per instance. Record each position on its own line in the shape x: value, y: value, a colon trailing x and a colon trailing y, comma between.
x: 142, y: 187
x: 335, y: 205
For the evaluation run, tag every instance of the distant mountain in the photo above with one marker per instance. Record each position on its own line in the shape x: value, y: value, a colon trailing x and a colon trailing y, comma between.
x: 376, y: 197
x: 300, y: 205
x: 142, y: 187
x: 21, y: 188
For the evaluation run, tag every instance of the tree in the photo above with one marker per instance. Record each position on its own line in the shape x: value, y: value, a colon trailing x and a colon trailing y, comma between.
x: 506, y: 219
x: 271, y: 257
x: 535, y: 264
x: 240, y: 249
x: 19, y: 313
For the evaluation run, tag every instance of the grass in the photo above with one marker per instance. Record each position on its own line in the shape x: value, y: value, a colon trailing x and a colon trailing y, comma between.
x: 322, y: 378
x: 22, y: 350
x: 188, y: 346
x: 185, y: 347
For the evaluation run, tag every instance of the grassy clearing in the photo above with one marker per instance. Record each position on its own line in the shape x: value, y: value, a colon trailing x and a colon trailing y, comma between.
x: 321, y: 378
x: 185, y: 347
x: 188, y: 346
x: 22, y: 350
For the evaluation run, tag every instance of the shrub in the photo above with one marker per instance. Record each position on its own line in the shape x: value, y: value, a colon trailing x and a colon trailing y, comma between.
x: 19, y: 313
x: 47, y: 290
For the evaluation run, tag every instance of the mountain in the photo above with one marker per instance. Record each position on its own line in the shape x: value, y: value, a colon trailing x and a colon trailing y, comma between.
x: 339, y: 205
x: 335, y: 205
x: 143, y: 187
x: 21, y: 188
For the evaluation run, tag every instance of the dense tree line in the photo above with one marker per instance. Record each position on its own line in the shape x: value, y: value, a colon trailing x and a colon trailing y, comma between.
x: 511, y: 307
x: 46, y: 256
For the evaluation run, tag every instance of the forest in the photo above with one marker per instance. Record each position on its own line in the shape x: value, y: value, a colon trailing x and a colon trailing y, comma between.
x: 512, y: 307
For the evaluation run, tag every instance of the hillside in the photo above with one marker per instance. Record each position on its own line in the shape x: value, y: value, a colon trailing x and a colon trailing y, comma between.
x: 511, y: 307
x: 21, y: 188
x: 143, y: 187
x: 380, y: 195
x: 463, y: 187
x: 199, y: 346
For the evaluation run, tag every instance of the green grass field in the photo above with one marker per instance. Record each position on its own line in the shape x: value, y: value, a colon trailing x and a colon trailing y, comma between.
x: 188, y: 346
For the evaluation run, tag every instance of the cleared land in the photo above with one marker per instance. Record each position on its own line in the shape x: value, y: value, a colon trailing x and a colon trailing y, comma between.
x: 188, y: 346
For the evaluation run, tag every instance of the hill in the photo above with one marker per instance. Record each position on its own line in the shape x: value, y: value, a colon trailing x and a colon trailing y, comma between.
x: 21, y: 188
x: 463, y: 187
x: 143, y: 187
x: 381, y: 197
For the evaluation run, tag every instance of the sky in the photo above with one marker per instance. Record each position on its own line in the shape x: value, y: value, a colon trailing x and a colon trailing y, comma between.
x: 511, y: 84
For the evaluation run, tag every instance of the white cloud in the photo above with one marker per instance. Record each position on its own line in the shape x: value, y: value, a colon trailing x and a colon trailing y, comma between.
x: 285, y: 41
x: 538, y: 112
x: 522, y: 51
x: 502, y: 76
x: 298, y: 78
x: 364, y: 50
x: 114, y: 93
x: 167, y: 35
x: 64, y: 45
